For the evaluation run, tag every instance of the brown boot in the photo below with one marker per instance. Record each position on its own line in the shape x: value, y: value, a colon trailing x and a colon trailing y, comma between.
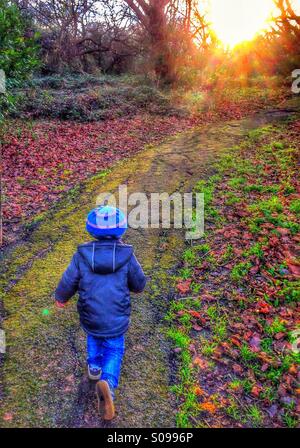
x: 103, y: 393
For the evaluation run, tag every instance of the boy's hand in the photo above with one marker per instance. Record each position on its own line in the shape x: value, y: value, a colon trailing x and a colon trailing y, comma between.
x: 59, y: 304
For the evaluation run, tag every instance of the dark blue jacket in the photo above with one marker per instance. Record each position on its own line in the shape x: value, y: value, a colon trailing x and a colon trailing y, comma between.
x: 103, y: 272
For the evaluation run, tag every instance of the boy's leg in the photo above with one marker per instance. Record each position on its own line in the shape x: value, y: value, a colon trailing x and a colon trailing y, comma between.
x: 94, y: 356
x: 113, y: 352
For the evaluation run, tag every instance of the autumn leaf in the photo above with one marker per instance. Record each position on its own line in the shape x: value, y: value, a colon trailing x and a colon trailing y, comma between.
x: 294, y: 267
x: 199, y: 391
x: 293, y: 369
x: 263, y: 307
x: 255, y: 391
x: 7, y: 417
x: 184, y: 287
x: 201, y: 363
x: 236, y: 341
x: 208, y: 406
x: 195, y: 314
x: 237, y: 368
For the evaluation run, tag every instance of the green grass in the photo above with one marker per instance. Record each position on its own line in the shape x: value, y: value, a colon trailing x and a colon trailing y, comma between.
x: 235, y: 384
x: 228, y: 254
x: 233, y: 410
x: 236, y: 182
x: 256, y: 250
x: 185, y: 320
x: 178, y: 338
x: 208, y: 347
x: 186, y: 273
x: 253, y: 188
x: 186, y: 374
x: 290, y: 421
x: 220, y: 329
x: 202, y: 248
x: 290, y: 291
x: 257, y: 134
x: 266, y: 345
x: 247, y: 354
x: 287, y: 188
x: 277, y: 326
x: 268, y: 206
x: 295, y: 207
x: 255, y: 416
x: 269, y: 393
x: 189, y: 256
x: 232, y: 198
x: 278, y: 145
x: 207, y: 189
x: 240, y: 270
x: 213, y: 312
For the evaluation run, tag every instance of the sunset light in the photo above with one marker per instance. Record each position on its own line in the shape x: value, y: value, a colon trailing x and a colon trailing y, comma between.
x: 235, y: 21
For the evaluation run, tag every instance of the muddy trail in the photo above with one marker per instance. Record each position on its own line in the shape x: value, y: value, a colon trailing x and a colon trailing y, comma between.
x: 44, y: 383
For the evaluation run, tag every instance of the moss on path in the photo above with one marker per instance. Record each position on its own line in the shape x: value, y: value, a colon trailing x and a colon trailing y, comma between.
x: 43, y: 371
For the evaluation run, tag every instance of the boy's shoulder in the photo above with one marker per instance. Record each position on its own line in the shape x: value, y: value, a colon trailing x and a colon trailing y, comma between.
x: 104, y: 243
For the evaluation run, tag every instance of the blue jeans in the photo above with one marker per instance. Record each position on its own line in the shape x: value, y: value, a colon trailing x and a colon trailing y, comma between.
x: 106, y: 354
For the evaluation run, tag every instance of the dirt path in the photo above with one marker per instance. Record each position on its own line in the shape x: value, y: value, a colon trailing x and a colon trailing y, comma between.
x: 43, y: 370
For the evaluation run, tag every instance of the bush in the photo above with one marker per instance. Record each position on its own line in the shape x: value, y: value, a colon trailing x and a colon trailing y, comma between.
x: 70, y: 82
x: 18, y: 52
x: 88, y: 98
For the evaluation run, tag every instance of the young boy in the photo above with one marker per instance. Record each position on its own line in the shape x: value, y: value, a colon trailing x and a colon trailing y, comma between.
x: 104, y: 272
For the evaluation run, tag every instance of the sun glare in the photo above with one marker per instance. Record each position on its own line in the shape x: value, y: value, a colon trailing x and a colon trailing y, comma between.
x: 235, y: 21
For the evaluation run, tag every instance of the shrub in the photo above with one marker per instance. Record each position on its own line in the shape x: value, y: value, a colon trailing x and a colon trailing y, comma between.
x: 18, y: 54
x: 88, y: 98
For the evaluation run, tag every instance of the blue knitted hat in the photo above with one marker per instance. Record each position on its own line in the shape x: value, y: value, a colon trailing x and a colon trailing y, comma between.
x: 105, y: 221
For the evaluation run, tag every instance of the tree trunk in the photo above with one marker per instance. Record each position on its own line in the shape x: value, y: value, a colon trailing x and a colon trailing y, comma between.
x: 159, y: 42
x: 152, y: 16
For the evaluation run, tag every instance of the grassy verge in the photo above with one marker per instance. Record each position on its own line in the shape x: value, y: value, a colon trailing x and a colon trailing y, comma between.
x: 233, y: 323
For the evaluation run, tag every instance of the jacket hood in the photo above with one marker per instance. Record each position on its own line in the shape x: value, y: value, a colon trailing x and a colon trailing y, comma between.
x: 105, y: 257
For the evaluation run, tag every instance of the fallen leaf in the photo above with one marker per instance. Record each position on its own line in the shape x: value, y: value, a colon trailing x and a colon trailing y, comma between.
x: 255, y: 342
x: 7, y: 417
x: 184, y: 287
x: 255, y: 391
x: 263, y: 307
x: 279, y: 336
x: 208, y: 406
x: 195, y: 314
x: 293, y: 369
x: 235, y: 341
x: 200, y: 363
x: 237, y: 368
x: 199, y: 391
x: 293, y: 267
